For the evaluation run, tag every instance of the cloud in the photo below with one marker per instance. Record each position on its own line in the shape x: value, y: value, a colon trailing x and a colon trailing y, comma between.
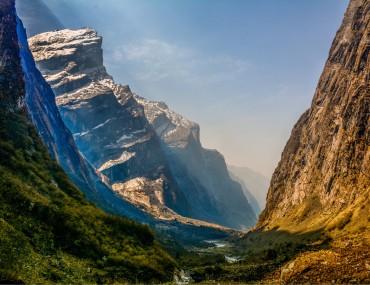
x: 154, y: 53
x: 155, y: 59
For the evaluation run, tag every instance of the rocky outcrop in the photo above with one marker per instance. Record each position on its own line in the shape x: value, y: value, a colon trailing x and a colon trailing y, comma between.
x: 200, y: 172
x: 44, y: 114
x: 324, y: 172
x: 108, y: 125
x: 132, y: 141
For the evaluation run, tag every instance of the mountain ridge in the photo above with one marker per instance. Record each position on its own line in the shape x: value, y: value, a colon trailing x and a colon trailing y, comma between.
x: 326, y: 160
x: 43, y: 112
x: 256, y: 183
x: 49, y: 232
x: 142, y: 163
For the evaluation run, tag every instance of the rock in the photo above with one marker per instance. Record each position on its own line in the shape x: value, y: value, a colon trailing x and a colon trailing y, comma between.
x: 127, y: 138
x: 327, y: 157
x: 11, y: 78
x: 286, y: 270
x: 108, y: 125
x: 44, y: 114
x: 201, y: 174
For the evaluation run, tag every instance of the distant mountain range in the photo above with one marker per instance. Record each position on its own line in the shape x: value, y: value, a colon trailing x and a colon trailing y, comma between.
x: 254, y: 184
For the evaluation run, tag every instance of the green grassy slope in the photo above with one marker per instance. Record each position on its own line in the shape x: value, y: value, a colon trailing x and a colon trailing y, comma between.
x: 50, y: 233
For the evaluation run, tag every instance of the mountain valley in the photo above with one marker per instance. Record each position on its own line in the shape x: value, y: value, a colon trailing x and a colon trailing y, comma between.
x: 99, y: 185
x: 150, y: 155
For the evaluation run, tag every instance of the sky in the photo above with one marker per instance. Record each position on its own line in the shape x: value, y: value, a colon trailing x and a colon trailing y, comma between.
x: 244, y: 70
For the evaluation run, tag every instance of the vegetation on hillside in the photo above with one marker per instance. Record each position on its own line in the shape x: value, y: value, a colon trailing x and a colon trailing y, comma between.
x: 50, y: 233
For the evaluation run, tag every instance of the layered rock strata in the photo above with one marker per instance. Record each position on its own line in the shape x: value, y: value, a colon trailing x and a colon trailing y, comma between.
x: 130, y: 144
x: 200, y: 173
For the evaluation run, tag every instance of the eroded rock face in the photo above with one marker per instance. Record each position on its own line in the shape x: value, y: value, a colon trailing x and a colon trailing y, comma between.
x: 44, y: 114
x: 108, y: 125
x: 130, y: 140
x: 326, y: 162
x: 200, y: 173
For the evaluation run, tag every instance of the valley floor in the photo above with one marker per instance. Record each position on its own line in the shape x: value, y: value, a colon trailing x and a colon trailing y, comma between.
x: 317, y: 259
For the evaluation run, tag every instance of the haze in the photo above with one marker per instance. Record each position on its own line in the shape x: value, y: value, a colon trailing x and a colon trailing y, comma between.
x: 244, y: 70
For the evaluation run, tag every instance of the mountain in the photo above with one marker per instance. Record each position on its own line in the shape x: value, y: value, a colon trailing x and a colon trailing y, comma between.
x: 40, y: 102
x: 37, y: 17
x: 256, y: 184
x: 119, y: 134
x: 251, y: 199
x: 112, y: 134
x: 323, y: 178
x: 49, y: 232
x: 200, y: 172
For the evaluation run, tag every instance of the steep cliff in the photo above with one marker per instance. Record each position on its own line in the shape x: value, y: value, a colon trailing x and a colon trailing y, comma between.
x: 200, y: 172
x: 151, y: 157
x: 323, y: 178
x: 11, y: 78
x: 255, y: 183
x: 49, y: 233
x: 113, y: 135
x: 40, y: 102
x: 43, y: 112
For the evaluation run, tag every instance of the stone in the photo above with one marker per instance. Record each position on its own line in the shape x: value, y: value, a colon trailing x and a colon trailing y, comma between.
x: 130, y: 140
x: 327, y: 156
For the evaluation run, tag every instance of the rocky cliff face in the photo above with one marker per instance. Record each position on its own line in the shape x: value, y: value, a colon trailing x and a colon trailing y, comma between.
x: 43, y: 216
x: 200, y: 173
x: 44, y: 114
x: 11, y: 79
x: 324, y: 172
x: 150, y: 155
x: 108, y: 125
x: 148, y: 193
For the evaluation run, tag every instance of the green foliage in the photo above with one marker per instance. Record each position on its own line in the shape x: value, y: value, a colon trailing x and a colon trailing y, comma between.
x: 192, y: 260
x: 50, y: 233
x: 9, y: 277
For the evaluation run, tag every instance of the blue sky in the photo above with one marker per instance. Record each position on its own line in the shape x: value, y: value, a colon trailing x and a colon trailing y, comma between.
x: 244, y: 70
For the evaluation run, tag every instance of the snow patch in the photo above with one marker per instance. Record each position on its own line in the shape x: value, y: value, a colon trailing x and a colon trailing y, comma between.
x: 123, y: 158
x: 102, y: 124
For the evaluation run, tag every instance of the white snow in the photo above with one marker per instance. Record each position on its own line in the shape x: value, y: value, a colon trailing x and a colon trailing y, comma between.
x: 123, y: 158
x: 124, y: 137
x: 101, y: 125
x: 176, y: 130
x: 61, y: 43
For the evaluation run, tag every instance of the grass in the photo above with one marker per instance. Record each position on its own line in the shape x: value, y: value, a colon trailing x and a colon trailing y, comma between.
x: 50, y: 233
